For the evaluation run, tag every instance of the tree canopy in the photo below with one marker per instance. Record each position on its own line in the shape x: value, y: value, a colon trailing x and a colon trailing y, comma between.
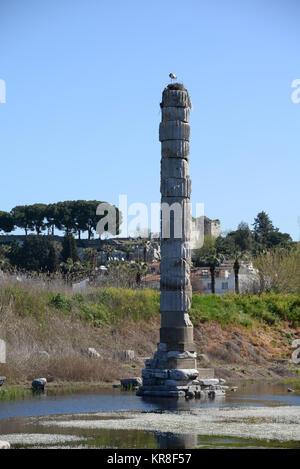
x: 36, y: 254
x: 266, y: 235
x: 71, y: 216
x: 6, y: 222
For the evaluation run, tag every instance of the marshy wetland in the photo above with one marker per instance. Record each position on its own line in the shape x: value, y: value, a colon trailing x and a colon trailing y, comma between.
x: 246, y: 338
x: 257, y: 415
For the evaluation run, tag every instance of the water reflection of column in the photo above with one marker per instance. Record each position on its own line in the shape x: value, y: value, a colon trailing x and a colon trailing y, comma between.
x: 175, y: 441
x: 164, y: 403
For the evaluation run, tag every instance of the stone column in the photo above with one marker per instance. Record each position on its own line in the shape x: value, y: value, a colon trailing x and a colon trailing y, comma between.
x: 173, y: 370
x: 176, y: 331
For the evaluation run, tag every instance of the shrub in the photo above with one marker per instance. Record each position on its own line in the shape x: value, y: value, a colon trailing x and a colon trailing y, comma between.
x: 269, y: 308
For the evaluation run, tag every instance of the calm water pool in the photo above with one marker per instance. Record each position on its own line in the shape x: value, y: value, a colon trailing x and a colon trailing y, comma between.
x: 119, y: 419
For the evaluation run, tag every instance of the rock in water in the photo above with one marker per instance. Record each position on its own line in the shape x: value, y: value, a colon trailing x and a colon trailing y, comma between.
x: 208, y: 382
x: 131, y: 383
x: 190, y: 395
x: 39, y: 384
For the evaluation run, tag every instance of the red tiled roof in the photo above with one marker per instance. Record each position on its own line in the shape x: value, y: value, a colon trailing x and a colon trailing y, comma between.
x: 150, y: 278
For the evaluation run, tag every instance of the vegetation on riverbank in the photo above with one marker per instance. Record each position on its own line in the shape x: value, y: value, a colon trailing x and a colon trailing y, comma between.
x: 269, y: 308
x: 24, y: 391
x: 108, y: 306
x: 48, y: 330
x: 10, y: 393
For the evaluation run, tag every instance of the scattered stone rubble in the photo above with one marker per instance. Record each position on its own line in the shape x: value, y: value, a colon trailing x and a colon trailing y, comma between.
x: 165, y: 381
x: 124, y: 355
x: 180, y: 383
x: 91, y: 352
x: 131, y: 383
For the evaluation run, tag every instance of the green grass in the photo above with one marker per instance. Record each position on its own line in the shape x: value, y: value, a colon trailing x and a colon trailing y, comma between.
x: 109, y: 306
x: 10, y: 393
x: 268, y: 308
x: 63, y: 323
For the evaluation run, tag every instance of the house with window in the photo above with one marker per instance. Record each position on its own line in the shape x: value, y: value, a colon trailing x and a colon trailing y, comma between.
x: 201, y: 281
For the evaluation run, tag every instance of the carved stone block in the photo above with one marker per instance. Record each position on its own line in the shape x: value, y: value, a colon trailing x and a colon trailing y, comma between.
x: 174, y: 130
x: 175, y: 301
x: 176, y: 187
x: 174, y: 168
x: 175, y: 248
x: 172, y: 113
x: 175, y: 149
x: 177, y: 98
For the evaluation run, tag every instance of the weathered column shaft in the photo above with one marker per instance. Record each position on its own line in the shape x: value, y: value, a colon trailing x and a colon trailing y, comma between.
x: 176, y: 293
x: 172, y: 371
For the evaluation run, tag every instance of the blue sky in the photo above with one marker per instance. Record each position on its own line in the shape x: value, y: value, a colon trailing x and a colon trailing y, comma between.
x: 84, y: 82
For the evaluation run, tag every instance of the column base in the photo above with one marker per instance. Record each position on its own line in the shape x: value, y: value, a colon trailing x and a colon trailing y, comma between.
x: 197, y: 388
x: 175, y: 374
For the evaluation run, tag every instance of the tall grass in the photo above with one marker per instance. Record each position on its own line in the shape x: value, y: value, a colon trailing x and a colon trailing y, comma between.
x: 269, y: 308
x: 14, y: 392
x: 62, y: 323
x: 110, y: 306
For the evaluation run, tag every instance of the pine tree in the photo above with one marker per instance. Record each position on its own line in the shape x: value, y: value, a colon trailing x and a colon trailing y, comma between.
x: 51, y: 259
x: 262, y: 227
x: 69, y: 249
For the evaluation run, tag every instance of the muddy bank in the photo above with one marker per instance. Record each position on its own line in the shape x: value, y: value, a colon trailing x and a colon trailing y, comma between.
x: 236, y: 353
x: 46, y: 336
